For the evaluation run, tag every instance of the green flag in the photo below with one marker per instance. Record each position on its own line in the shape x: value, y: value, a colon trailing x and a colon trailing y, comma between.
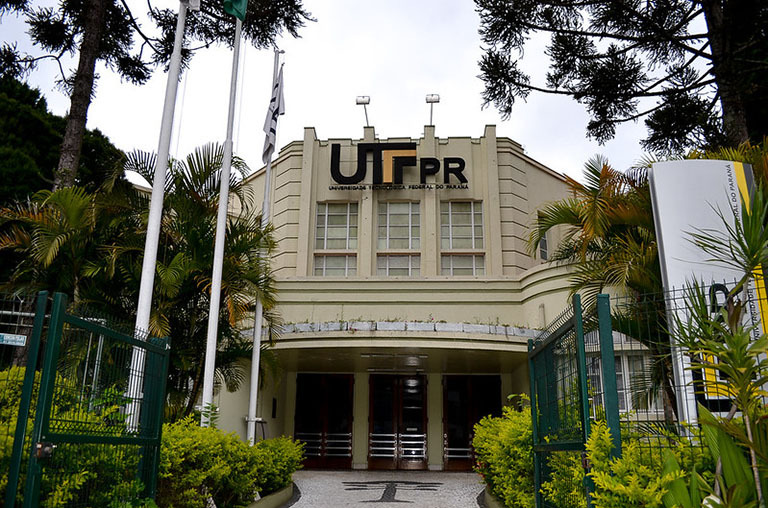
x: 236, y: 8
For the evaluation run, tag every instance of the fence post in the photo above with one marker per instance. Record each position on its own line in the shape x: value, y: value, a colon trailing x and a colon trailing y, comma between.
x: 534, y: 430
x: 151, y: 416
x: 45, y: 398
x: 581, y: 360
x: 608, y: 364
x: 11, y: 488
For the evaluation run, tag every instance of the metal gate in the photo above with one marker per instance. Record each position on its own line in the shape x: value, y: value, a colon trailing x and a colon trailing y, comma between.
x: 89, y: 420
x: 560, y: 396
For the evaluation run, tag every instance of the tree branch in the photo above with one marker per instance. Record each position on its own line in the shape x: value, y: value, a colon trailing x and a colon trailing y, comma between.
x: 668, y: 76
x: 136, y: 27
x: 670, y: 38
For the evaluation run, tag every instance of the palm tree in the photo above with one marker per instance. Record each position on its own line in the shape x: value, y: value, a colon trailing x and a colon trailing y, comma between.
x: 90, y: 246
x: 185, y: 260
x: 609, y: 231
x: 54, y: 233
x: 610, y: 241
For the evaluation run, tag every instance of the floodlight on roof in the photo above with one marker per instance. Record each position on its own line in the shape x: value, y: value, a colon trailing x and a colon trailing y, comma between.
x: 432, y: 99
x: 364, y: 100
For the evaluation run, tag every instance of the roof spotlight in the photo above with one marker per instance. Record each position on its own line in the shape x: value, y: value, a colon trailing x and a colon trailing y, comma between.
x: 364, y: 100
x: 432, y: 99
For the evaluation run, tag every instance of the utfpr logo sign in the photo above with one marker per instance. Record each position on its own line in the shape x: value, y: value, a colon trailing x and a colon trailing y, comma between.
x: 389, y: 161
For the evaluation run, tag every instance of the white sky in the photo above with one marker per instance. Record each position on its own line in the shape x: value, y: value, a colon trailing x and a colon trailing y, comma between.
x: 394, y: 51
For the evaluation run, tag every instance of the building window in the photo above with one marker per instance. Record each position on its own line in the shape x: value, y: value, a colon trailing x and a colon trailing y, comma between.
x: 543, y: 248
x: 336, y: 232
x: 336, y: 266
x: 395, y: 265
x: 461, y: 238
x: 631, y: 382
x: 461, y: 225
x: 399, y: 226
x: 462, y: 264
x: 399, y: 235
x: 336, y: 226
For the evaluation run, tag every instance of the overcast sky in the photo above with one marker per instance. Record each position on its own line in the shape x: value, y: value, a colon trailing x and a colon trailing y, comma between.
x: 395, y: 51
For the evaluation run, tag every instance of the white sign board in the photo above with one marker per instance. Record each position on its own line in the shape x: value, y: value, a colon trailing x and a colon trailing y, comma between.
x: 12, y: 339
x: 688, y: 197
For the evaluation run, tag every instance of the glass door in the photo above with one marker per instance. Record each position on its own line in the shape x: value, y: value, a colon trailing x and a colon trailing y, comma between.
x: 398, y: 422
x: 324, y: 419
x: 466, y: 400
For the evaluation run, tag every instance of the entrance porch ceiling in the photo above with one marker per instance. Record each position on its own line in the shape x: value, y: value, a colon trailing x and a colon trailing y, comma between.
x: 385, y: 360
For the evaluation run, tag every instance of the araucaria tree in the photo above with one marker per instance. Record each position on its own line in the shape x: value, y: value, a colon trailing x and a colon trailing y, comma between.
x: 106, y: 30
x: 695, y: 70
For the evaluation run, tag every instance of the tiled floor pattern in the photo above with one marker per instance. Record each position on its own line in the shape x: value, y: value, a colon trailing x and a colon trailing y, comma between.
x: 374, y: 489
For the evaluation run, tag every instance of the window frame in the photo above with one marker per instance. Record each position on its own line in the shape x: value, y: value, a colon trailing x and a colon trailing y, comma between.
x: 452, y: 252
x: 349, y: 251
x: 414, y: 242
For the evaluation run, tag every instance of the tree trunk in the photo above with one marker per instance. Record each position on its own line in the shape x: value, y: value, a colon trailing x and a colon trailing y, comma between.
x: 81, y: 95
x: 720, y: 28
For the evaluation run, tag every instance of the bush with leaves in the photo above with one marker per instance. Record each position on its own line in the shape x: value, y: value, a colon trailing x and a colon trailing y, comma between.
x: 97, y: 474
x: 630, y: 480
x: 197, y: 463
x: 565, y: 488
x: 504, y: 454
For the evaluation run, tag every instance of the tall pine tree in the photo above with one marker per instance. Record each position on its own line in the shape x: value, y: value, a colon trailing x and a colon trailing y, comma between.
x: 696, y: 71
x: 107, y: 30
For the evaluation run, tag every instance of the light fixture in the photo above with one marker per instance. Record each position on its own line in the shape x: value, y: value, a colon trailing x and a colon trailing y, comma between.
x: 364, y: 100
x: 432, y: 99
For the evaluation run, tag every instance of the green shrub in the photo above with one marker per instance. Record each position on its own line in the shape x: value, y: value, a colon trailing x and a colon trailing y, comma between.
x: 504, y: 452
x: 565, y: 489
x: 198, y: 462
x: 634, y: 479
x: 279, y: 458
x: 100, y: 474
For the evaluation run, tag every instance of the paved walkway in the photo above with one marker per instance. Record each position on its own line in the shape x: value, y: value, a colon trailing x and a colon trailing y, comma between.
x: 423, y: 489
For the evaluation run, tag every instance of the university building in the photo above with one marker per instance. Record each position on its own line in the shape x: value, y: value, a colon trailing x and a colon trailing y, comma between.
x: 408, y: 295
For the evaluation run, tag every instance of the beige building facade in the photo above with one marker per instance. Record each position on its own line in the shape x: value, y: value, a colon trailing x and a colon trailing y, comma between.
x: 407, y: 291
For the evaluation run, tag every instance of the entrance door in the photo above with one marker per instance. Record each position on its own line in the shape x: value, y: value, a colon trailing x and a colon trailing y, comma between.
x: 398, y: 422
x: 466, y: 400
x: 324, y: 419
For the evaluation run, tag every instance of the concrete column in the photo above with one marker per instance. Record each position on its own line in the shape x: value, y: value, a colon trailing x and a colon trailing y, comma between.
x: 304, y: 261
x: 430, y: 212
x: 366, y: 234
x: 491, y: 208
x: 519, y: 380
x: 435, y: 421
x: 360, y: 407
x: 289, y: 407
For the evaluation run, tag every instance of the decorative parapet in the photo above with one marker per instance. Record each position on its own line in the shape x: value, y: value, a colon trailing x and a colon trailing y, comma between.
x: 408, y: 326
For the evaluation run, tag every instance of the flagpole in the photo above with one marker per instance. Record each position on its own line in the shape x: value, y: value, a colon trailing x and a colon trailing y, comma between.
x: 218, y: 249
x: 144, y: 305
x: 253, y: 396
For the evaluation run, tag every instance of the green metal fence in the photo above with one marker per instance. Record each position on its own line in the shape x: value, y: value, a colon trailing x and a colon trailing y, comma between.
x: 561, y: 396
x: 22, y: 324
x: 649, y: 394
x: 89, y: 413
x: 614, y: 362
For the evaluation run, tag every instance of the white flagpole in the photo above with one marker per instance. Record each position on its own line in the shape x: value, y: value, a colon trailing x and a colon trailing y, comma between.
x: 144, y: 305
x: 218, y: 249
x: 253, y: 396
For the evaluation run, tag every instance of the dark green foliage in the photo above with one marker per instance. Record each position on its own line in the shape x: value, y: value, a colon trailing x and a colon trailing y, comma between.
x: 705, y: 64
x: 90, y: 246
x: 103, y: 474
x: 30, y: 138
x: 106, y: 30
x: 195, y: 462
x: 504, y: 453
x: 198, y: 462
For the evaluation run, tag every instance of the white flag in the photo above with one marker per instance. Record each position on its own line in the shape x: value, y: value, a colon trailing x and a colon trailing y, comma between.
x: 194, y: 5
x: 276, y: 108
